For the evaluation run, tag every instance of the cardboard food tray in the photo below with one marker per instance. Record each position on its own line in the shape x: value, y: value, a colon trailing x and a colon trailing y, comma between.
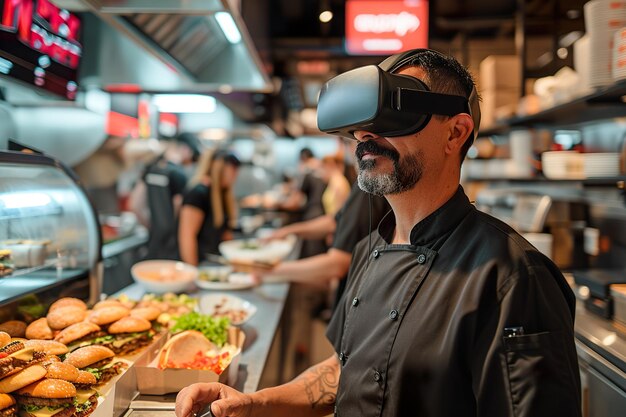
x: 154, y: 381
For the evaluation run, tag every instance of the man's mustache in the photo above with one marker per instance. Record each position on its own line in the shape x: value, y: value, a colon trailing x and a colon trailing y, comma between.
x: 372, y: 147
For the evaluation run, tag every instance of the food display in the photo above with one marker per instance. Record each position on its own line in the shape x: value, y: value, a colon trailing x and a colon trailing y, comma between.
x: 214, y: 329
x: 214, y: 273
x: 161, y: 276
x: 192, y: 350
x: 251, y: 251
x: 97, y: 360
x: 27, y: 253
x: 235, y: 309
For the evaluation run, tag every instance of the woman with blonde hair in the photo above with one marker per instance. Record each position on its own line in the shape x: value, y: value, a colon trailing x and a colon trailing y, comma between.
x: 209, y: 210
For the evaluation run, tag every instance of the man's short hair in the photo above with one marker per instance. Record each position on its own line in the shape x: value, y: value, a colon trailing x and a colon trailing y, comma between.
x: 445, y: 75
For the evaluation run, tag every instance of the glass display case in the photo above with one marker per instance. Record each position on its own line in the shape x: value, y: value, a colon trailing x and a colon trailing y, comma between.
x: 50, y: 239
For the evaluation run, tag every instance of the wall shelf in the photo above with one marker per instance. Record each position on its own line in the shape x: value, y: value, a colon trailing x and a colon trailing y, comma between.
x: 604, y: 103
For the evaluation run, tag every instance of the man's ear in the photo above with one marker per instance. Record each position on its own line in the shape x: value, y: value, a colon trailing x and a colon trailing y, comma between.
x: 461, y: 128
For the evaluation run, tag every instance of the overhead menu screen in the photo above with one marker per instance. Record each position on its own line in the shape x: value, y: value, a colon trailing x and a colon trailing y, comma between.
x: 40, y: 45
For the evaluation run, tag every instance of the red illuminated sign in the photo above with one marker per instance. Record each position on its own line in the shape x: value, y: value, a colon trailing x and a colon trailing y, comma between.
x: 385, y: 27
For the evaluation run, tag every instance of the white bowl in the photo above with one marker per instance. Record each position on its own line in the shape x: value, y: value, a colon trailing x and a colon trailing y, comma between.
x: 214, y: 273
x: 161, y: 276
x: 252, y: 250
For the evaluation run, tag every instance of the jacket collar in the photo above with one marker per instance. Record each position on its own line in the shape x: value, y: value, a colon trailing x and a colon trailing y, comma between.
x: 435, y: 225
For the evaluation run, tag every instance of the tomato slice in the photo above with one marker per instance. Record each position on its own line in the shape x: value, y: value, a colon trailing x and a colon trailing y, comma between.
x: 3, y: 355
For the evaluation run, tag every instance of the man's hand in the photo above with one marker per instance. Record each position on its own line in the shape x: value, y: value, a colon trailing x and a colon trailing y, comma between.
x: 225, y: 401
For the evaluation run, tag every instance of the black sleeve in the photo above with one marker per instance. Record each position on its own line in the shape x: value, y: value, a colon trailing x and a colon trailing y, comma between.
x: 196, y: 197
x: 535, y: 371
x: 353, y: 220
x: 178, y: 181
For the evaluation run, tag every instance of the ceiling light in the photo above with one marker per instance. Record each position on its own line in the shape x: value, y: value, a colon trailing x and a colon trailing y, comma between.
x: 326, y: 16
x: 228, y: 26
x: 25, y: 200
x: 184, y: 103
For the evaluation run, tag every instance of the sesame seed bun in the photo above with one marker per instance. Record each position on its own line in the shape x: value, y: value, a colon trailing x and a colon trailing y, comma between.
x: 21, y: 379
x: 107, y: 303
x: 61, y: 370
x: 85, y: 378
x: 85, y: 356
x: 76, y: 331
x: 130, y: 325
x: 6, y: 401
x: 49, y: 346
x: 62, y: 317
x: 5, y: 339
x: 147, y: 313
x: 108, y: 315
x: 15, y: 328
x: 39, y: 329
x: 68, y: 302
x: 49, y: 388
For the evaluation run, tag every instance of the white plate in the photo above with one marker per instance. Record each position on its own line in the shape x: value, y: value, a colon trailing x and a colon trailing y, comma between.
x: 227, y: 305
x: 236, y: 281
x: 251, y: 250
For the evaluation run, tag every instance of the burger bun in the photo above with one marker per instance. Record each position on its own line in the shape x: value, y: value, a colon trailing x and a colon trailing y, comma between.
x: 22, y: 378
x: 39, y: 329
x: 130, y: 324
x: 85, y: 356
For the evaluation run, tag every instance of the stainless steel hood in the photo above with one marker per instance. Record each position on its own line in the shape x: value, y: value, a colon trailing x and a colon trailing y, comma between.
x: 186, y: 37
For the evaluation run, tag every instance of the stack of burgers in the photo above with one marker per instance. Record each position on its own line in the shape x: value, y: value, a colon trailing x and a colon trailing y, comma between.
x: 35, y: 383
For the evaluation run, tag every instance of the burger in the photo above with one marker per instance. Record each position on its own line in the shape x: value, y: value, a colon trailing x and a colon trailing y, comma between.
x: 131, y: 333
x: 8, y: 408
x: 15, y: 356
x: 22, y: 378
x: 97, y: 360
x: 63, y: 317
x: 6, y: 264
x: 49, y: 347
x: 15, y: 328
x: 82, y: 334
x: 68, y: 302
x: 86, y: 397
x: 47, y: 398
x: 107, y: 315
x: 39, y: 329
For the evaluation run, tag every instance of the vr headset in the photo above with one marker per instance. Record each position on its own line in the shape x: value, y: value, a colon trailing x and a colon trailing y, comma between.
x: 373, y: 99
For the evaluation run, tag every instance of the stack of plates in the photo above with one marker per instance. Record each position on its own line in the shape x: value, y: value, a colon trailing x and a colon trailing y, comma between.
x: 619, y: 55
x: 562, y: 165
x: 602, y: 19
x: 601, y: 164
x: 582, y: 63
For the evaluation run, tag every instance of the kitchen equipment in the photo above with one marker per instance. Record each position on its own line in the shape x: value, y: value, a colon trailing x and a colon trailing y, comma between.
x: 618, y: 293
x: 598, y: 282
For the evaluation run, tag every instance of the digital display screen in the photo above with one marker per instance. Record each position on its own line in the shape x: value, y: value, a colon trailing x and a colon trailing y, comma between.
x: 384, y: 27
x: 40, y: 45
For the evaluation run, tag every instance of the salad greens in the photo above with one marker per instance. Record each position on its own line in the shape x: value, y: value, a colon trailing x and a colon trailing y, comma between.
x: 215, y: 329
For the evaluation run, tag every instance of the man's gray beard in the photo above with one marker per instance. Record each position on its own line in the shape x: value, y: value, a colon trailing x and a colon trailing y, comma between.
x: 404, y: 176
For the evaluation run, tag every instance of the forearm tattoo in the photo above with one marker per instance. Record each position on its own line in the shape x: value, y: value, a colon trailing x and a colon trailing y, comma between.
x: 320, y: 385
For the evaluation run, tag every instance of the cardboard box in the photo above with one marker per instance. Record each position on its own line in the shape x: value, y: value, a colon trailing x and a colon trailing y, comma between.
x: 154, y: 381
x: 493, y: 100
x: 500, y: 71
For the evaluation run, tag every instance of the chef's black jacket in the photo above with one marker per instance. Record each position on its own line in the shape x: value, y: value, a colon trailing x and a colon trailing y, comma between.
x: 467, y: 320
x: 163, y: 180
x: 355, y: 220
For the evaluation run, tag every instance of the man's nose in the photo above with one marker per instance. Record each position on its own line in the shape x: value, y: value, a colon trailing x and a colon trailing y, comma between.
x: 363, y: 135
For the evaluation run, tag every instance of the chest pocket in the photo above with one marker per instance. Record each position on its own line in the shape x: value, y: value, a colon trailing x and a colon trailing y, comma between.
x: 385, y: 290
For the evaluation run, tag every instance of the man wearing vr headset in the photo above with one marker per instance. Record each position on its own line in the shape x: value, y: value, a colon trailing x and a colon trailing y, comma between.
x: 448, y: 312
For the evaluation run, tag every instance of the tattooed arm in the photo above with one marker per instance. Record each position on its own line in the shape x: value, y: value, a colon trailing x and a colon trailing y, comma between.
x: 313, y: 393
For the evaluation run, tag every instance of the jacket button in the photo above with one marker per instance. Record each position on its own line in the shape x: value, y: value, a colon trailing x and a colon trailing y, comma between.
x: 421, y: 258
x: 342, y: 358
x: 393, y: 314
x: 375, y: 253
x: 377, y: 376
x: 355, y: 301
